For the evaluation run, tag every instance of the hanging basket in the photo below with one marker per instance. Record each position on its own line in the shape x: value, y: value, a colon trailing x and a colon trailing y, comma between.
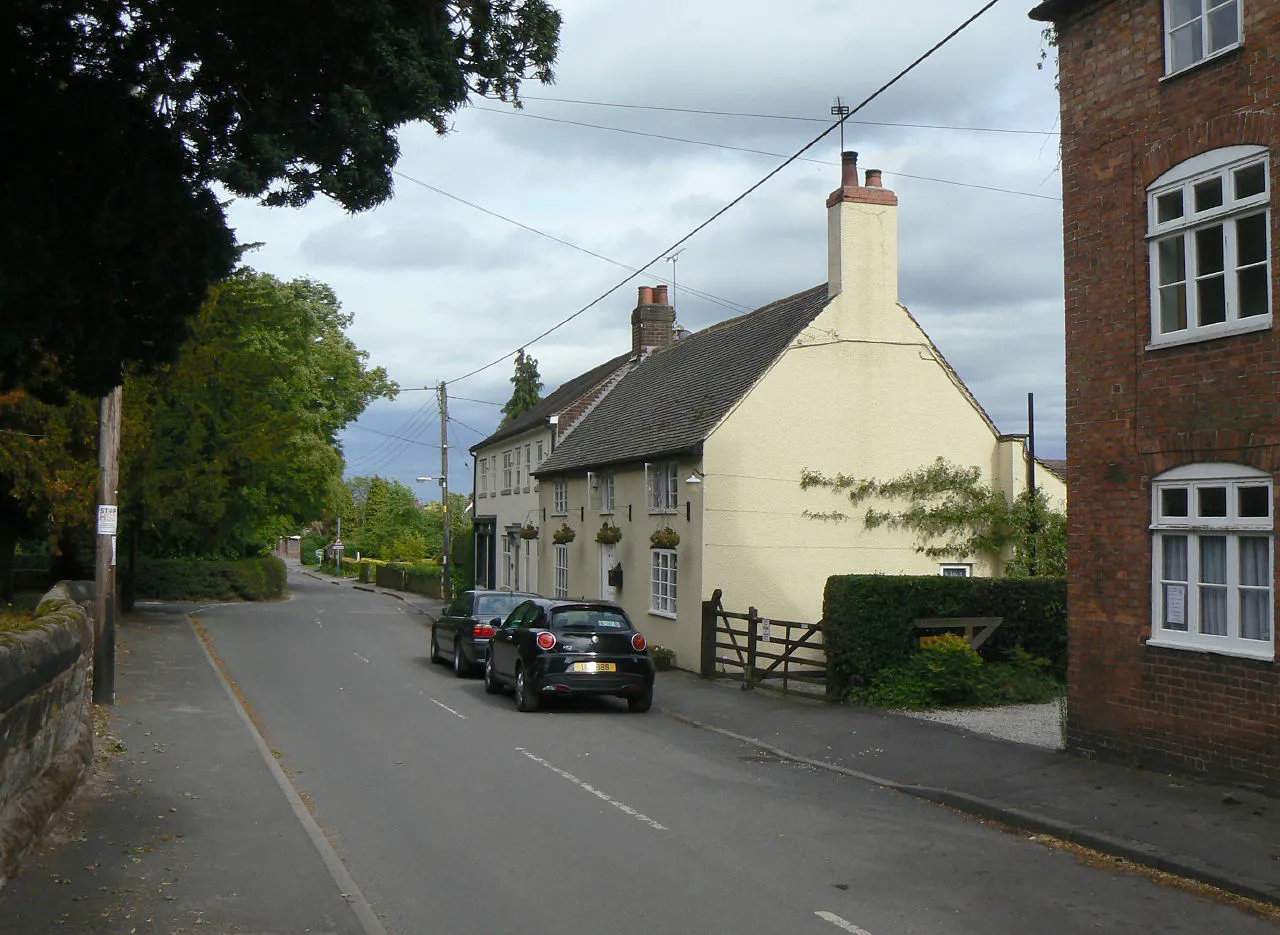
x: 528, y: 531
x: 664, y: 538
x: 608, y: 534
x: 564, y: 535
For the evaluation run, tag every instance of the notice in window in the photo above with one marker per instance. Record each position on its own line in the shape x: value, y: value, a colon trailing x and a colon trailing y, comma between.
x: 1175, y: 606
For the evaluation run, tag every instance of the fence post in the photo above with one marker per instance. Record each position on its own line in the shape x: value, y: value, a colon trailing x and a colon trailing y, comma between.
x: 749, y: 672
x: 710, y: 612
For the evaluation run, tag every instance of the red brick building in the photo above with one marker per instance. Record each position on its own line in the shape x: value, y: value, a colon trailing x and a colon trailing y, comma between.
x: 1170, y: 149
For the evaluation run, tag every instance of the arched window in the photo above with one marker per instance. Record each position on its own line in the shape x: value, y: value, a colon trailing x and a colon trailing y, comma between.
x: 1211, y: 561
x: 1208, y: 224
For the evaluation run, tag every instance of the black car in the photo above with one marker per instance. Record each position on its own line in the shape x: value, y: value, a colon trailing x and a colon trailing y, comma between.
x: 462, y: 633
x: 553, y: 647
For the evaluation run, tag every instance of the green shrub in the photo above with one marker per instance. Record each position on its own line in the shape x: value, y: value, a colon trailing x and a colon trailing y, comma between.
x: 868, y: 621
x: 311, y: 542
x: 947, y: 672
x: 250, y: 579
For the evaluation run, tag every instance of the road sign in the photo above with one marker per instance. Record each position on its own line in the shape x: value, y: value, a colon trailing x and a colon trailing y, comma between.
x: 108, y: 519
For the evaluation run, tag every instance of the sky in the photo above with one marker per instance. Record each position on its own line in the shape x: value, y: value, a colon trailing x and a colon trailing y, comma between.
x: 662, y: 113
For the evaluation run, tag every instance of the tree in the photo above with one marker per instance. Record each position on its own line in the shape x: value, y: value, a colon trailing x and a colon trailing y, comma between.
x: 527, y: 387
x: 957, y: 515
x: 47, y: 472
x: 236, y: 443
x: 121, y: 116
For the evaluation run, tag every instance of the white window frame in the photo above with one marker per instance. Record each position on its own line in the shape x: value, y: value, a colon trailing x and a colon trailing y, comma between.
x: 1216, y: 25
x: 506, y: 471
x: 1184, y: 231
x: 662, y: 486
x: 508, y: 561
x: 662, y: 582
x: 519, y: 472
x: 1179, y: 583
x: 561, y: 586
x: 541, y: 452
x: 949, y: 569
x: 484, y: 477
x: 606, y: 492
x: 560, y: 505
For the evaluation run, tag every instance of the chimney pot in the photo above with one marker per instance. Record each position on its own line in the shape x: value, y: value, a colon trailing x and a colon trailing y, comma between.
x: 660, y: 295
x: 873, y: 179
x: 646, y: 295
x: 849, y: 169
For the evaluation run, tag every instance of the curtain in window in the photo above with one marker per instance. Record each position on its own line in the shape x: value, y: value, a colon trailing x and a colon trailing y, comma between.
x: 1255, y: 588
x: 1213, y: 580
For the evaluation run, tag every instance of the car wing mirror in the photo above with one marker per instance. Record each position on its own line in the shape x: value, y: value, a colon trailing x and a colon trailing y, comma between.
x: 495, y: 622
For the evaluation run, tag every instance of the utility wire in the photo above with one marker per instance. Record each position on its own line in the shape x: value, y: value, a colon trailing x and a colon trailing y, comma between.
x: 756, y: 152
x: 468, y: 428
x: 483, y: 402
x: 729, y: 113
x: 799, y: 153
x: 714, y: 299
x: 409, y: 441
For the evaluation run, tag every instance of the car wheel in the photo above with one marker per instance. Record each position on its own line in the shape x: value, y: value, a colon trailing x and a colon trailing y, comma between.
x: 641, y: 703
x: 526, y: 696
x: 460, y: 667
x: 435, y: 650
x: 490, y: 678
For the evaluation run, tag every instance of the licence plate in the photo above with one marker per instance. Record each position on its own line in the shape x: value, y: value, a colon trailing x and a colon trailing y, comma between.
x: 594, y: 667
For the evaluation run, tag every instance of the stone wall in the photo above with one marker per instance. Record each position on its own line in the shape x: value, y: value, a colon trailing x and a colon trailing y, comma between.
x: 46, y: 738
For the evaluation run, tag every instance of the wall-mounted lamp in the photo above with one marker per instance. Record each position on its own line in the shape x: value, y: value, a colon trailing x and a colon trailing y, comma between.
x: 695, y: 478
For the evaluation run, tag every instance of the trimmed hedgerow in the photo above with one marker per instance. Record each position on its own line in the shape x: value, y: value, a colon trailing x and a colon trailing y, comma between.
x: 868, y: 621
x: 250, y: 579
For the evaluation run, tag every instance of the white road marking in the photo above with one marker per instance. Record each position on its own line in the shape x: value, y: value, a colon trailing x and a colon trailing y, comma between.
x: 841, y: 923
x: 449, y: 709
x: 360, y: 657
x: 627, y: 809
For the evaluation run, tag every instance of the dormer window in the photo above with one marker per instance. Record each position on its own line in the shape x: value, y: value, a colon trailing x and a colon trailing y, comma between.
x: 1195, y: 30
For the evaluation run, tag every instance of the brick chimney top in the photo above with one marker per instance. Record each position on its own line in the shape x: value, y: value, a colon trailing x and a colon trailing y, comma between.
x: 652, y: 321
x: 872, y: 192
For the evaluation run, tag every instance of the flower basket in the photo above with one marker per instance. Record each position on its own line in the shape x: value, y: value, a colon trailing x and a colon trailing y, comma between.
x: 664, y: 538
x: 528, y: 531
x: 563, y: 535
x: 663, y: 658
x: 608, y: 534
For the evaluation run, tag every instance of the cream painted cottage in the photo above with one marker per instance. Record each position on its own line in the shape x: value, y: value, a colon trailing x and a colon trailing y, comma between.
x: 707, y: 436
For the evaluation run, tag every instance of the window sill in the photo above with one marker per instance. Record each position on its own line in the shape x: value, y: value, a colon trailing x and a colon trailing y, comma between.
x: 1221, y: 53
x: 665, y: 614
x: 565, y: 513
x: 1248, y: 326
x: 671, y: 512
x: 1262, y: 654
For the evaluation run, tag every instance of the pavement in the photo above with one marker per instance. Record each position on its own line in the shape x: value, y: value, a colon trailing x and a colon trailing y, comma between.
x: 191, y: 826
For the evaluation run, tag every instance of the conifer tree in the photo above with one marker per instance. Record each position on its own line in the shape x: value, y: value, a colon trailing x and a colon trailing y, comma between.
x: 527, y: 384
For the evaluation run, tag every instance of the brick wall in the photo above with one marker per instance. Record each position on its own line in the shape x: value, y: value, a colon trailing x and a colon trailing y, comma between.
x: 1133, y: 413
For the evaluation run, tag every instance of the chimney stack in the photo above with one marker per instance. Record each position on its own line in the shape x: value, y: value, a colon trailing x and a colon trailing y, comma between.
x: 862, y: 237
x: 652, y: 321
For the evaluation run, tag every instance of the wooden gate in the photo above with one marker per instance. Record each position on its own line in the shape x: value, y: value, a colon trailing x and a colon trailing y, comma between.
x: 762, y: 649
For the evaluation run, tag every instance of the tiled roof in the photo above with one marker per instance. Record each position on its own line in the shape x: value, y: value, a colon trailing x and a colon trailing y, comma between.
x: 1055, y: 466
x: 1050, y: 11
x: 673, y: 399
x: 563, y: 396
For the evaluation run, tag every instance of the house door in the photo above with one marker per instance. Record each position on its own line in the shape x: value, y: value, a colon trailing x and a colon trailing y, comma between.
x: 608, y: 558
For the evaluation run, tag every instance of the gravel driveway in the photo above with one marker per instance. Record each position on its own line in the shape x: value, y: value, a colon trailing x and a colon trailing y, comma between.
x: 1039, y: 725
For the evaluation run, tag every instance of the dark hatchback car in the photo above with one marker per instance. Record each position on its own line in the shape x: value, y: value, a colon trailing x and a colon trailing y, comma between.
x: 462, y: 633
x: 553, y: 647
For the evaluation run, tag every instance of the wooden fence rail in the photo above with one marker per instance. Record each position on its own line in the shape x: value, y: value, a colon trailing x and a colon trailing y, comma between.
x: 762, y: 649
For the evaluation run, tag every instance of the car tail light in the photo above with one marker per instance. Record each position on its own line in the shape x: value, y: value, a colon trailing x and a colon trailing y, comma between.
x: 638, y: 643
x: 482, y: 631
x: 546, y: 640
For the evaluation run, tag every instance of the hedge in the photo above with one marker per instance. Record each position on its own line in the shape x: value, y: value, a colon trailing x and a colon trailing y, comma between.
x: 868, y: 621
x: 250, y: 579
x: 416, y: 578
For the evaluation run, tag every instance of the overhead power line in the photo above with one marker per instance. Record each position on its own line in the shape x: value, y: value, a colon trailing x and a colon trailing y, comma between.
x: 730, y: 113
x: 769, y: 175
x: 755, y: 152
x: 714, y: 299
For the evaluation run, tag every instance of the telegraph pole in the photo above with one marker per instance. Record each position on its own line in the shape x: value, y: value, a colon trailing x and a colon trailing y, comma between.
x: 104, y: 576
x: 446, y: 577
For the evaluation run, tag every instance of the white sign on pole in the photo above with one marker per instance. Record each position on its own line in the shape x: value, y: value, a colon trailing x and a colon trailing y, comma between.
x: 108, y: 516
x: 766, y: 629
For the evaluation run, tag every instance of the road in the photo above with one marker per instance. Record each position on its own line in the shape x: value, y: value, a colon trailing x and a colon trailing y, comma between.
x: 454, y: 813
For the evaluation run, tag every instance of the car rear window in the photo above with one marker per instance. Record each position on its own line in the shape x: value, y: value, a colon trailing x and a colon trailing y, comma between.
x: 589, y: 618
x: 497, y: 605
